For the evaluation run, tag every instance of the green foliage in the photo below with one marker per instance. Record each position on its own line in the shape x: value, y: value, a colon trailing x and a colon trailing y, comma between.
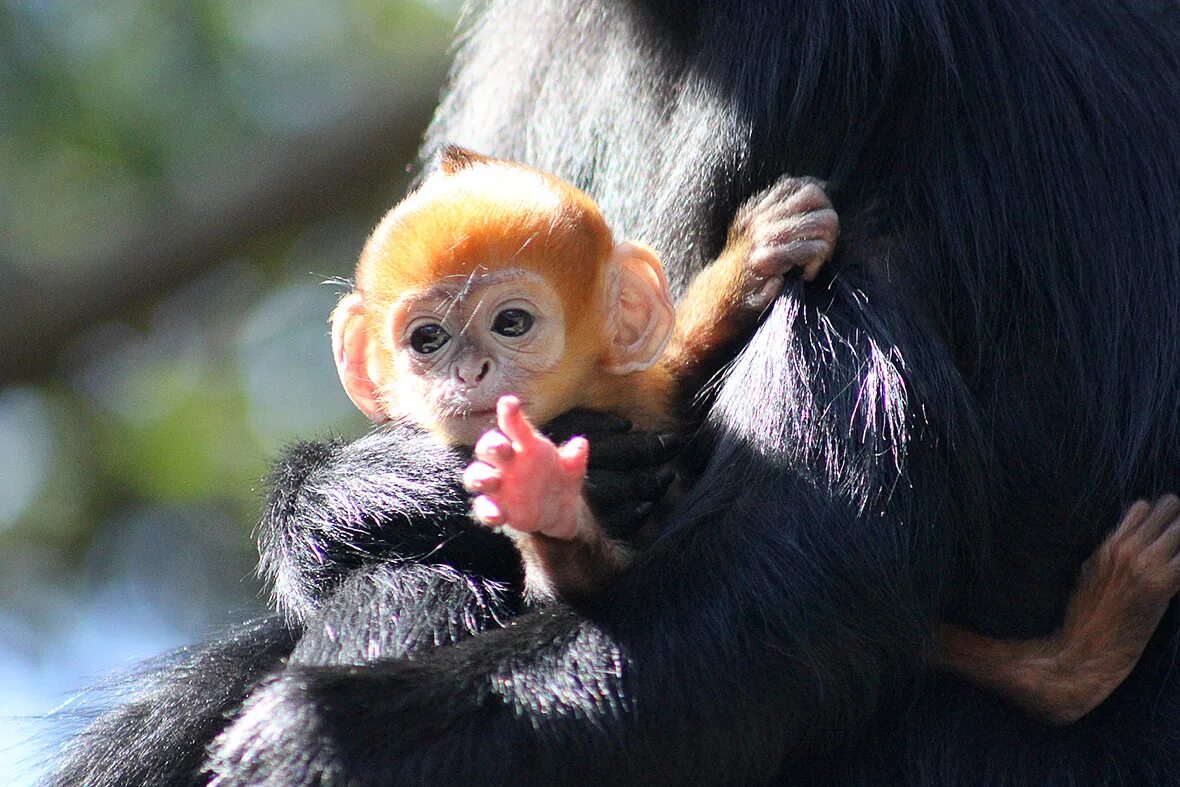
x: 164, y: 421
x: 108, y: 107
x: 190, y: 444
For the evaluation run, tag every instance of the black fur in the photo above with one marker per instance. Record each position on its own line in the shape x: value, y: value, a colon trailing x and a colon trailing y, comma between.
x: 334, y: 507
x: 171, y: 709
x: 948, y: 428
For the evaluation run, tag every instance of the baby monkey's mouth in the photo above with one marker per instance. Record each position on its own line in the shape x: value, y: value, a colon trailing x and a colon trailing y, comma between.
x: 476, y: 411
x: 463, y: 424
x: 459, y: 408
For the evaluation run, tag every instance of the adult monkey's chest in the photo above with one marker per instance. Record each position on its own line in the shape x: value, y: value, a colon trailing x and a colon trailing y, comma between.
x: 647, y: 108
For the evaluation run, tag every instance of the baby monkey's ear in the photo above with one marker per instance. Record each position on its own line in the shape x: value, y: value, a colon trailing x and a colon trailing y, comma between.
x: 350, y: 348
x: 640, y: 309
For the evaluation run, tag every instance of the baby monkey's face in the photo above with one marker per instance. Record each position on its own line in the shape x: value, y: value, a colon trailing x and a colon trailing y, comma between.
x: 462, y: 343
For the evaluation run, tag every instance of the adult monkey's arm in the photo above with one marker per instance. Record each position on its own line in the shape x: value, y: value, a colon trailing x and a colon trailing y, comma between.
x: 793, y: 587
x: 395, y: 495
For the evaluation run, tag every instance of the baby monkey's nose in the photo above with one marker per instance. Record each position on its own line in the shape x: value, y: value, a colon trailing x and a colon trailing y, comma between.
x: 472, y: 373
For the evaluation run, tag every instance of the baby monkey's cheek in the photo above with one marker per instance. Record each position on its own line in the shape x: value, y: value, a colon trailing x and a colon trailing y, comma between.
x: 540, y: 355
x: 414, y: 396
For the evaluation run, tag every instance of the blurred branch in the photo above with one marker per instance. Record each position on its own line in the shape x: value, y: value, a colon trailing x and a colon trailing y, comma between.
x: 280, y: 187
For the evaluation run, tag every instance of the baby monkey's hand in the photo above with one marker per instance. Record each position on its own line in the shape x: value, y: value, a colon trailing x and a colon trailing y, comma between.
x: 524, y: 481
x: 790, y: 225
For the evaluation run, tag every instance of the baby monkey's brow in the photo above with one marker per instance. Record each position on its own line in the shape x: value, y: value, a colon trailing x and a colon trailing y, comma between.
x: 456, y: 287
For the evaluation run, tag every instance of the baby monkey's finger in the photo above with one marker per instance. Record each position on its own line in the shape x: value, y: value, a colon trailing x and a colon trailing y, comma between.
x: 1129, y: 525
x: 487, y: 511
x: 1173, y: 535
x: 820, y: 224
x: 810, y: 195
x: 510, y: 418
x: 799, y: 194
x: 1167, y: 544
x: 807, y: 253
x: 494, y: 448
x: 481, y: 477
x: 573, y: 456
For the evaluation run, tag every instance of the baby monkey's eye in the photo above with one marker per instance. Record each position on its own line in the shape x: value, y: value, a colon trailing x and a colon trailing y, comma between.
x: 512, y: 322
x: 426, y: 339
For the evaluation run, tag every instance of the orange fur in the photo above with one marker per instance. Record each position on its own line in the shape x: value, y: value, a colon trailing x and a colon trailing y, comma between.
x: 484, y: 218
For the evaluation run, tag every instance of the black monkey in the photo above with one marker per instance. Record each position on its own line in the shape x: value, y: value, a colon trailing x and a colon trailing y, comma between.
x: 994, y: 366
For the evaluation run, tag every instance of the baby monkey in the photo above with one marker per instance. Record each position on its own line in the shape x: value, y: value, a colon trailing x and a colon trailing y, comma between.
x: 496, y: 294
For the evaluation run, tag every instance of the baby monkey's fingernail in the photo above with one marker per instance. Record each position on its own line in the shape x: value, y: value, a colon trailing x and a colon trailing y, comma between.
x: 486, y: 510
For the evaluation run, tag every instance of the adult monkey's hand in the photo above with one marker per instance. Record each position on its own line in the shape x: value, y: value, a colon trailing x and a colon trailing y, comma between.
x: 629, y: 471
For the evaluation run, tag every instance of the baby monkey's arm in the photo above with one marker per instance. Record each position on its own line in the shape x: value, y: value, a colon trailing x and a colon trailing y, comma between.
x: 1122, y: 594
x: 790, y: 225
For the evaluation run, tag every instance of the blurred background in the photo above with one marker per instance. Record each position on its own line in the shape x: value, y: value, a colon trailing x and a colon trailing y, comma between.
x: 178, y: 179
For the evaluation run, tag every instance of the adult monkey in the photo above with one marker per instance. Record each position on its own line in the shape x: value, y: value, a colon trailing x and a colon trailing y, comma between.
x: 995, y: 364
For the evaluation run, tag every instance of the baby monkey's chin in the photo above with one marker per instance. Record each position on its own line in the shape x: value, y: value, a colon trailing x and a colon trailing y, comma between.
x: 466, y: 429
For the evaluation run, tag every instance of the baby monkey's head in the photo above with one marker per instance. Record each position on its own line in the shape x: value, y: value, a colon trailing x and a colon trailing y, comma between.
x: 494, y: 278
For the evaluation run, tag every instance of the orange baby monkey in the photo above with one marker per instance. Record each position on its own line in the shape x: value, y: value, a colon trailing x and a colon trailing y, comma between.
x: 496, y: 294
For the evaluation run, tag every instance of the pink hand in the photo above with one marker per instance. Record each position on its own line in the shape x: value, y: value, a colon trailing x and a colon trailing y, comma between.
x: 524, y: 481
